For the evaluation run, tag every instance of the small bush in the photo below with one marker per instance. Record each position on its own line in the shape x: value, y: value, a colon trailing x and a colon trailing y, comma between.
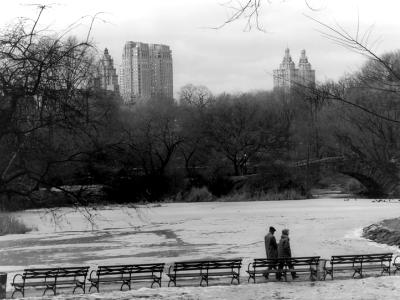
x: 290, y: 194
x: 198, y: 195
x: 11, y: 225
x: 237, y: 197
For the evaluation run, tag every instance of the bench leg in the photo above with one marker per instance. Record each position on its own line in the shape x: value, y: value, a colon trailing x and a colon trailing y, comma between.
x: 313, y: 275
x: 79, y: 285
x: 359, y: 271
x: 22, y: 291
x: 204, y: 278
x: 156, y: 280
x: 53, y: 288
x: 385, y: 269
x: 235, y: 277
x: 127, y: 283
x: 324, y: 275
x: 172, y: 280
x: 252, y: 277
x: 96, y: 285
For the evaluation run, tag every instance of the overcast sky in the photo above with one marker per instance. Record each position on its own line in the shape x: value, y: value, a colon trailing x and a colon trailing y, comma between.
x: 229, y: 59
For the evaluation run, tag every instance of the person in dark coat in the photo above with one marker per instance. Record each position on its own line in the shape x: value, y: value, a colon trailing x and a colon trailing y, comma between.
x: 271, y: 249
x: 284, y: 251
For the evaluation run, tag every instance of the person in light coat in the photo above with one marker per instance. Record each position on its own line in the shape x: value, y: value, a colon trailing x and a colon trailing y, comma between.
x: 284, y: 251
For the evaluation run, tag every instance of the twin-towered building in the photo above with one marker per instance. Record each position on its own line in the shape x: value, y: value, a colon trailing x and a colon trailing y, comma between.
x: 288, y: 76
x: 145, y: 72
x: 107, y: 78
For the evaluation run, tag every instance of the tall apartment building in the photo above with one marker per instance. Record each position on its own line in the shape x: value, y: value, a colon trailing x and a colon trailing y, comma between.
x: 288, y: 76
x: 146, y: 71
x: 161, y: 71
x: 107, y: 78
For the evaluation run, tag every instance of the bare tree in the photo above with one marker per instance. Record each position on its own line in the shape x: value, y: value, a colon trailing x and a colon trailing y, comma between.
x: 152, y: 135
x: 251, y: 11
x: 44, y: 83
x: 242, y: 128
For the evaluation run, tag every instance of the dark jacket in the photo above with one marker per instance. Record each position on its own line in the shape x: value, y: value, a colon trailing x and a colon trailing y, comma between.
x: 284, y: 247
x: 271, y: 247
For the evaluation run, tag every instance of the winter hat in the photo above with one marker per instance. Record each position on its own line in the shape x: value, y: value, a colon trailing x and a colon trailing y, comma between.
x: 272, y: 229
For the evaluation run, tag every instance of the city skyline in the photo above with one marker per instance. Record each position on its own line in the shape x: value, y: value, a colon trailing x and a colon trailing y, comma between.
x: 227, y: 59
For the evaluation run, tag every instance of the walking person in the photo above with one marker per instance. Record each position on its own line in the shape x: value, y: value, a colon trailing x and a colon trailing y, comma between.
x: 284, y: 251
x: 271, y: 249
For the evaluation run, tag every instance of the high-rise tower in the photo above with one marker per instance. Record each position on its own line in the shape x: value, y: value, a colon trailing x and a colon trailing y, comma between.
x: 135, y: 72
x: 161, y: 71
x: 146, y: 72
x: 306, y: 76
x: 288, y: 76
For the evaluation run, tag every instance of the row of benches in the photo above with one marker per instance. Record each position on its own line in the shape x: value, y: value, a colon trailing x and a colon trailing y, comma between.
x: 52, y: 278
x: 357, y: 264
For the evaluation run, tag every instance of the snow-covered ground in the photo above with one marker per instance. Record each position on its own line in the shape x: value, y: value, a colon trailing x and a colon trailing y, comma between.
x: 387, y: 288
x: 181, y: 231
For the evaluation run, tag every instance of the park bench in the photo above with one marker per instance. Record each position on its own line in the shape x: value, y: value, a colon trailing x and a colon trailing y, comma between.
x: 204, y: 269
x: 380, y: 261
x: 396, y: 264
x: 341, y: 263
x: 50, y: 279
x: 259, y: 267
x: 359, y: 263
x: 126, y: 274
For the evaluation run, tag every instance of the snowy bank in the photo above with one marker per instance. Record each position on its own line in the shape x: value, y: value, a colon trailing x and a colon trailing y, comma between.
x: 385, y: 232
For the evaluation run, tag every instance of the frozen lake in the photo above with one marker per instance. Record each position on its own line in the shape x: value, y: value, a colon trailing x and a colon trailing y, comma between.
x: 181, y: 231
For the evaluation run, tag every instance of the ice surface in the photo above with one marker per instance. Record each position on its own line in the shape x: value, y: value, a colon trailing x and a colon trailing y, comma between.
x: 180, y: 231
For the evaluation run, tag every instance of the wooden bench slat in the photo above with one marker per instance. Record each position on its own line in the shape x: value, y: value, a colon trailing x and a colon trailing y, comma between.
x: 126, y: 274
x: 205, y: 269
x: 359, y: 262
x: 48, y: 278
x: 263, y: 266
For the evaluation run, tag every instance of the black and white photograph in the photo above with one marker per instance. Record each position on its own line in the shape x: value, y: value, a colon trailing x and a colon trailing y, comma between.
x: 200, y: 149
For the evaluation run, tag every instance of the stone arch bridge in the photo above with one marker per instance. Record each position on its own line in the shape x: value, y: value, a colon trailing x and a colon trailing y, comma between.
x: 375, y: 180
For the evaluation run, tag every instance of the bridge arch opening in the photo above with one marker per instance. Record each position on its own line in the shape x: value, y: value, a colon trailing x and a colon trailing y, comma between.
x: 336, y: 182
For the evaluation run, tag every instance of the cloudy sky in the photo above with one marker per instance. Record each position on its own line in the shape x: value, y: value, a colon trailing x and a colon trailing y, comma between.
x: 228, y: 59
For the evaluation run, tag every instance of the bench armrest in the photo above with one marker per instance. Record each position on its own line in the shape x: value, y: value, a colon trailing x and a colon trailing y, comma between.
x: 250, y: 266
x: 15, y: 276
x: 397, y: 260
x: 169, y: 270
x: 90, y: 275
x: 324, y: 261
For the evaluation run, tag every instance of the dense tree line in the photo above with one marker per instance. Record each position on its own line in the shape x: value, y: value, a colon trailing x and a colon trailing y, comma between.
x: 59, y: 136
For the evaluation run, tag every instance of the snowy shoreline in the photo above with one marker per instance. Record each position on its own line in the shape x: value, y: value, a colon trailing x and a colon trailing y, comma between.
x: 384, y: 232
